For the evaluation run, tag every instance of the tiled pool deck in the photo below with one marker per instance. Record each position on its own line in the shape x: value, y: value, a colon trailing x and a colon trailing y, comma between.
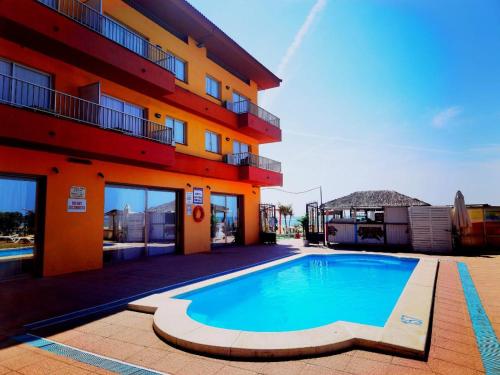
x: 128, y: 336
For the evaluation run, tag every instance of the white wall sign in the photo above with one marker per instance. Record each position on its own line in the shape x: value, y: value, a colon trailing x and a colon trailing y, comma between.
x: 77, y: 192
x: 189, y: 197
x: 198, y: 195
x: 189, y: 209
x: 77, y: 205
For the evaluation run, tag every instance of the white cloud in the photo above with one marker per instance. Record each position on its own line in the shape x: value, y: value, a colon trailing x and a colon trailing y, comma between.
x: 299, y: 36
x: 445, y: 116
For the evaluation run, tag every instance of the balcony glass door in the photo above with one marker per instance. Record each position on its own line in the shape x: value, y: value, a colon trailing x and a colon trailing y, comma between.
x: 225, y: 223
x: 24, y: 86
x: 123, y: 116
x: 240, y: 103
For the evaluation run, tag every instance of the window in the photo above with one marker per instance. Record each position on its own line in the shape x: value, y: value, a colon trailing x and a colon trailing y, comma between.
x: 212, y: 87
x: 212, y: 142
x: 29, y: 88
x: 121, y: 115
x: 178, y: 67
x: 178, y: 130
x: 240, y: 103
x: 240, y: 147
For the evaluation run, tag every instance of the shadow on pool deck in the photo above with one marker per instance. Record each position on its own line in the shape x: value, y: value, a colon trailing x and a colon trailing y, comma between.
x: 27, y: 300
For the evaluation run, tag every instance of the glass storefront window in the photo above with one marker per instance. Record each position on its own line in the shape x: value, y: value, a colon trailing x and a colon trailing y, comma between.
x: 138, y: 222
x: 17, y: 226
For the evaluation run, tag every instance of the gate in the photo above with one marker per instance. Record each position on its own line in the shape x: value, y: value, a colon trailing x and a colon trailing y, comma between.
x: 268, y: 223
x: 315, y: 231
x: 430, y: 228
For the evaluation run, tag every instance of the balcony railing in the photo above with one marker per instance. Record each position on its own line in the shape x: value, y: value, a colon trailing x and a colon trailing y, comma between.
x: 252, y: 160
x: 94, y: 20
x: 24, y: 94
x: 246, y: 106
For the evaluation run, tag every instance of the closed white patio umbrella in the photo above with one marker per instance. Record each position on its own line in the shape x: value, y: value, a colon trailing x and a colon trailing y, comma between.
x: 461, y: 219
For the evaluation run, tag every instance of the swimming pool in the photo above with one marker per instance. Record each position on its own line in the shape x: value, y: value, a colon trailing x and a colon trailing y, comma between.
x: 309, y: 292
x: 16, y: 252
x: 305, y: 304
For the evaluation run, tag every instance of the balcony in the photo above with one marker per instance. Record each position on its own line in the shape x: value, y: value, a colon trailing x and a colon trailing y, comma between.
x: 256, y: 169
x: 256, y: 121
x: 63, y: 123
x: 80, y: 35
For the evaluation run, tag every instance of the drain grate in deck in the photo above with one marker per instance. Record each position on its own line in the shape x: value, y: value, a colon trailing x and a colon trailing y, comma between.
x: 84, y: 357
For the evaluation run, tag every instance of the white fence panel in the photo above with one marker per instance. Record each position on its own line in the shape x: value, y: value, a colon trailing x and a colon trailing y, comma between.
x: 397, y: 234
x: 345, y: 233
x: 430, y: 228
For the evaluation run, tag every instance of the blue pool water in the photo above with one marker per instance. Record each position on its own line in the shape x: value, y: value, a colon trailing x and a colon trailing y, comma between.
x: 14, y: 252
x: 305, y: 293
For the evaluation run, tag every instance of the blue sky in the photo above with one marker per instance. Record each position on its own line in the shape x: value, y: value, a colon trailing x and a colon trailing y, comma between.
x: 378, y: 94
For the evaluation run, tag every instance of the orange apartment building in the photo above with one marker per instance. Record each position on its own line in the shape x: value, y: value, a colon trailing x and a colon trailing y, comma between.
x: 127, y: 128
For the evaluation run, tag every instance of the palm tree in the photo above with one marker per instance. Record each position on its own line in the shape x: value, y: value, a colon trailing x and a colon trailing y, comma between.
x: 287, y: 211
x: 282, y: 211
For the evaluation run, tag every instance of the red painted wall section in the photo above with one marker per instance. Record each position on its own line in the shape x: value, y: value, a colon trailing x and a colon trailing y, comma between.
x: 189, y: 164
x: 258, y: 128
x: 42, y: 131
x: 57, y: 134
x: 41, y: 28
x: 260, y: 177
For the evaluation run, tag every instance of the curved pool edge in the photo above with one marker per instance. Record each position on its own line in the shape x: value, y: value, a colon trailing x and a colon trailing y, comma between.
x: 405, y: 332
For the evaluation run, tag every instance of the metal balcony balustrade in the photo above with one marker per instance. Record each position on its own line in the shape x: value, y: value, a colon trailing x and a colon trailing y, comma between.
x: 246, y: 106
x: 19, y: 93
x: 252, y: 160
x: 107, y: 27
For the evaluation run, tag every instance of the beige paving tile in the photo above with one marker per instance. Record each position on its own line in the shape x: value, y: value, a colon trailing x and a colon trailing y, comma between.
x: 336, y: 361
x: 147, y: 356
x: 172, y: 363
x: 200, y: 367
x: 283, y: 368
x: 361, y: 366
x: 20, y: 361
x: 230, y: 370
x: 310, y: 369
x: 115, y: 349
x: 45, y: 366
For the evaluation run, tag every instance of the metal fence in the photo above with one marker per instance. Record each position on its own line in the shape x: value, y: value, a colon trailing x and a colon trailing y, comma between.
x: 111, y: 29
x: 246, y: 106
x: 252, y: 160
x: 24, y: 94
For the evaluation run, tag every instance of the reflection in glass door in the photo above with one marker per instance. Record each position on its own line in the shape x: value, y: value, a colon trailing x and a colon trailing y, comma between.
x: 225, y: 226
x: 138, y: 221
x: 161, y: 222
x: 17, y: 226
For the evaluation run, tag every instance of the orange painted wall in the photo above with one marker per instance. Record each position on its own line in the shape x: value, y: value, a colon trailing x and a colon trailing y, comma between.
x: 73, y: 241
x: 68, y: 79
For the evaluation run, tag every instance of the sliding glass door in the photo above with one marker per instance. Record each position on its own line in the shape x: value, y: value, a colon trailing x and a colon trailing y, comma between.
x: 225, y: 219
x: 18, y: 220
x: 138, y: 222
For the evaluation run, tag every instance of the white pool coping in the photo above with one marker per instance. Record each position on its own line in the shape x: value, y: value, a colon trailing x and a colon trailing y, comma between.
x: 405, y: 332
